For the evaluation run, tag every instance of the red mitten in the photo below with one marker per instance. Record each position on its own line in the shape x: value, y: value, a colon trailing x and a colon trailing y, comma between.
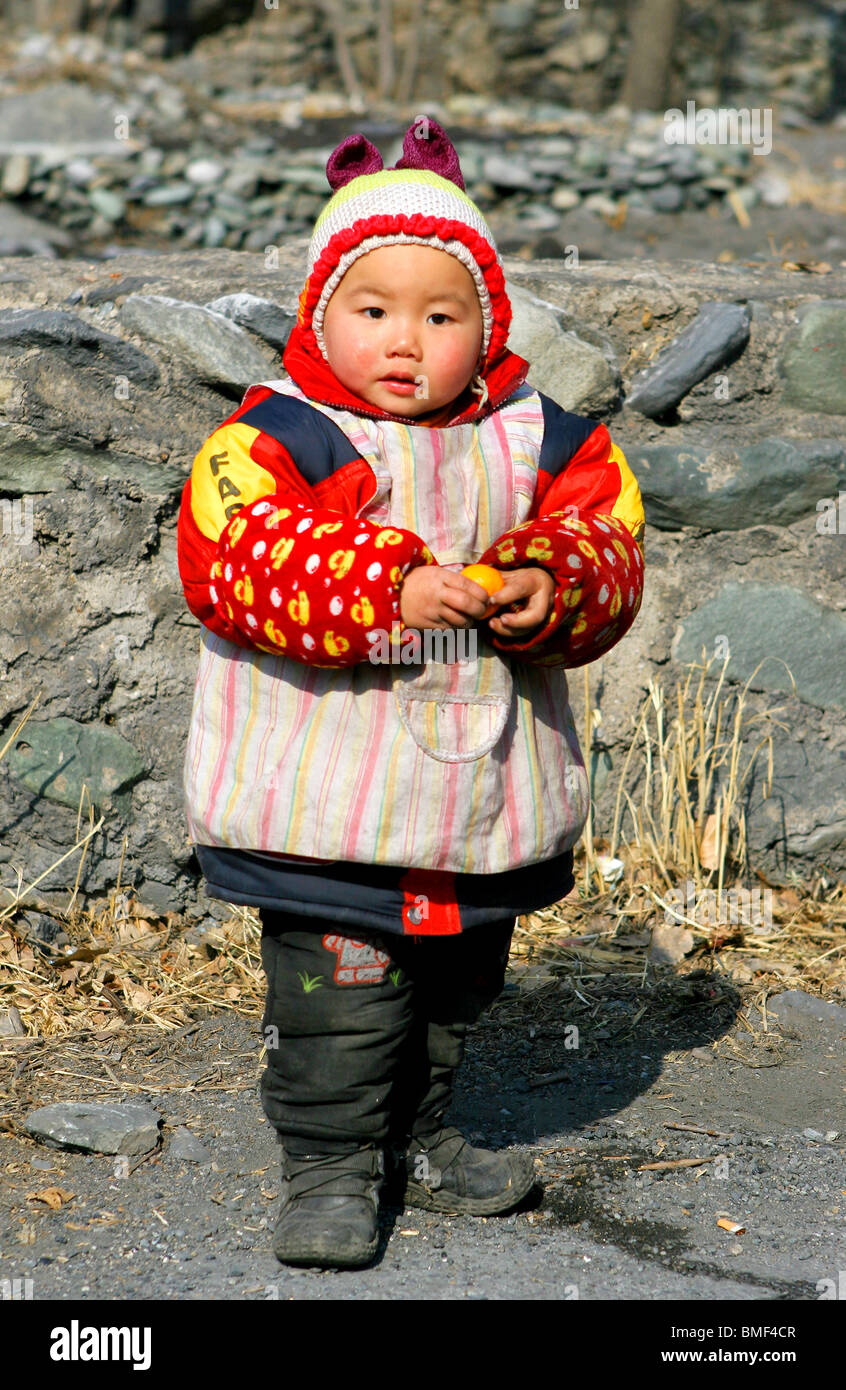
x: 598, y: 572
x: 311, y: 583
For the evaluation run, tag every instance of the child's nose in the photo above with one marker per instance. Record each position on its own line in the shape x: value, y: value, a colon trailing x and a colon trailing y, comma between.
x: 405, y: 337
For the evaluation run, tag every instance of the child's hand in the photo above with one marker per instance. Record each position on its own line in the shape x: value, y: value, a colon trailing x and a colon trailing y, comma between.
x: 432, y: 596
x: 533, y: 584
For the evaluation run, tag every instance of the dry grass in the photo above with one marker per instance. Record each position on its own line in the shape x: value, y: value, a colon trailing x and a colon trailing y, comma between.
x: 678, y: 819
x: 679, y: 824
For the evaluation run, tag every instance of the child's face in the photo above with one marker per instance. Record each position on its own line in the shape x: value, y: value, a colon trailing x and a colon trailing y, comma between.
x: 408, y: 310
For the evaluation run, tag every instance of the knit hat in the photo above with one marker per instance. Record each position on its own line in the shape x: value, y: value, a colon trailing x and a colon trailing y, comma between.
x: 421, y: 199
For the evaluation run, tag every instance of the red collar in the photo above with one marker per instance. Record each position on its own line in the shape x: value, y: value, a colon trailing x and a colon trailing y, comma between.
x: 316, y: 378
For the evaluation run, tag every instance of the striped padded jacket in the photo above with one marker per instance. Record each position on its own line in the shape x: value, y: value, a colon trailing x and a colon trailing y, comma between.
x: 303, y: 513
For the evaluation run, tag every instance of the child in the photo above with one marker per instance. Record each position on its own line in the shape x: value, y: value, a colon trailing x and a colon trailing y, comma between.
x: 392, y: 816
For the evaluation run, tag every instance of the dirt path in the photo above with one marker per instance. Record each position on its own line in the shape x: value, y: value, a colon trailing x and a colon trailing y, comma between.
x: 177, y: 1230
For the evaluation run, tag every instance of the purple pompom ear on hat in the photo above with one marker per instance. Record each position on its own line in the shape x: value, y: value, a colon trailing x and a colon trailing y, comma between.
x: 427, y: 146
x: 353, y: 157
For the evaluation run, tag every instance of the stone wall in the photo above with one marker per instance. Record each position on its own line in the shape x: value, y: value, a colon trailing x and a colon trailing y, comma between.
x: 725, y: 386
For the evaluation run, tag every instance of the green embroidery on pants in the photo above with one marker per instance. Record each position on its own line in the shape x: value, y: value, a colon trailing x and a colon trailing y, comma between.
x: 394, y: 977
x: 309, y: 982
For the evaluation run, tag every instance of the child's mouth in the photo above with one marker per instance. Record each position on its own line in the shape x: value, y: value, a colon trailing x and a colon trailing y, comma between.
x: 404, y: 385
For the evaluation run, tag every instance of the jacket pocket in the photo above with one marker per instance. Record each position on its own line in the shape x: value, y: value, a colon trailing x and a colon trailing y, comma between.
x: 456, y: 711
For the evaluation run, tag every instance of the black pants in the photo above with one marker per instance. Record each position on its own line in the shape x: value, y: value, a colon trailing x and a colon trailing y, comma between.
x: 364, y: 1030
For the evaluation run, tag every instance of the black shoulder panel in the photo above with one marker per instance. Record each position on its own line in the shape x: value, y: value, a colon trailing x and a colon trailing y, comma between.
x: 316, y: 444
x: 563, y: 435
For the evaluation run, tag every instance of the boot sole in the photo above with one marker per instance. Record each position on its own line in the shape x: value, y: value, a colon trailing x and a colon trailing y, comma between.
x: 450, y: 1204
x: 308, y: 1253
x: 304, y: 1255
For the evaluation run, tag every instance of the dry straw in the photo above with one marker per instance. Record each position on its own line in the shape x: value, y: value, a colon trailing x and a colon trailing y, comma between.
x: 679, y: 817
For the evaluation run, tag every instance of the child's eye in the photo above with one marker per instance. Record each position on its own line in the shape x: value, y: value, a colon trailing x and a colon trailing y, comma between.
x: 440, y: 316
x: 372, y: 309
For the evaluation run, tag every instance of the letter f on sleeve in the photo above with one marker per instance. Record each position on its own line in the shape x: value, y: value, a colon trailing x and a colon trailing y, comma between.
x: 266, y: 563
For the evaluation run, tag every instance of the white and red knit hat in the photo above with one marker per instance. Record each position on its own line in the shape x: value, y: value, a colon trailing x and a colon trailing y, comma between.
x: 421, y: 199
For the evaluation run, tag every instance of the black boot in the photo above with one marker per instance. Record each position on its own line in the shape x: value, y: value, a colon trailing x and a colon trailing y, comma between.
x: 330, y: 1206
x: 335, y: 1023
x: 443, y: 1172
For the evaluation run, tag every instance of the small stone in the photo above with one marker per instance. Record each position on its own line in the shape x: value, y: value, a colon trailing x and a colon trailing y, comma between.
x: 564, y: 199
x: 650, y: 178
x: 668, y: 198
x: 774, y: 189
x: 670, y: 944
x: 107, y: 1128
x: 717, y: 333
x: 16, y: 172
x: 80, y: 172
x: 813, y: 360
x: 186, y: 1147
x: 214, y: 231
x: 812, y: 1134
x: 11, y: 1025
x: 107, y: 203
x: 601, y: 205
x: 796, y: 1006
x: 166, y: 195
x: 204, y: 171
x: 508, y: 173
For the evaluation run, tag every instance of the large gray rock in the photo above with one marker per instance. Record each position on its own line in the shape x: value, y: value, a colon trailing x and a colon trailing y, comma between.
x: 723, y: 487
x: 573, y: 372
x: 60, y: 116
x: 260, y: 316
x: 813, y: 360
x: 771, y: 627
x: 717, y: 333
x: 82, y: 342
x: 95, y: 1127
x: 33, y: 462
x: 55, y: 757
x: 207, y: 345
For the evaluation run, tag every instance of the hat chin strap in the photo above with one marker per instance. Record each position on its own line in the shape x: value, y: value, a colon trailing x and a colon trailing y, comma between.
x: 479, y: 387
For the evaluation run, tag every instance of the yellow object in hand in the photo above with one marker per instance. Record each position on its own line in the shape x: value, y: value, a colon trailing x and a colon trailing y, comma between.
x: 486, y: 576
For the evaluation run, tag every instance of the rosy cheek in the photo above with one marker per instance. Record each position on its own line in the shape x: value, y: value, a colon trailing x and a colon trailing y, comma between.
x: 359, y: 352
x: 454, y: 357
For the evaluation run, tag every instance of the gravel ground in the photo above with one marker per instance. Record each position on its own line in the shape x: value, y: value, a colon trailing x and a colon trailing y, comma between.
x: 595, y: 1227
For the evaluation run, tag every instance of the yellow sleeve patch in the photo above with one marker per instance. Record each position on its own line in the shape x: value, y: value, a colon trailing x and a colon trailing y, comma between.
x: 224, y: 478
x: 629, y: 505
